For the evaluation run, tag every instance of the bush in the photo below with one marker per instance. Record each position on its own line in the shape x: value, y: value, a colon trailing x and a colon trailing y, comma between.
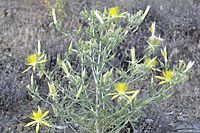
x: 93, y: 95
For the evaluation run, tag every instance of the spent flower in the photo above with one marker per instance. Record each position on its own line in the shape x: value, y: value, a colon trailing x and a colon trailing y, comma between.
x: 153, y: 40
x: 52, y: 89
x: 151, y: 63
x: 152, y: 29
x: 164, y: 54
x: 107, y: 76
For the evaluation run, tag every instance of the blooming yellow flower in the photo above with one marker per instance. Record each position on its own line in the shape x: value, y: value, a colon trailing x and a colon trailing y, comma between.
x: 34, y: 59
x: 38, y: 119
x: 114, y: 11
x: 121, y: 89
x: 31, y: 59
x: 52, y: 89
x: 167, y: 76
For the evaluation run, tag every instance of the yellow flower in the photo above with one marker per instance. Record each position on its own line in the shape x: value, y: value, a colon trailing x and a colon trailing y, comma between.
x: 34, y: 59
x: 151, y: 63
x: 114, y: 11
x: 164, y: 54
x: 31, y: 59
x: 38, y: 119
x: 52, y: 89
x: 167, y: 76
x: 155, y: 41
x: 121, y: 89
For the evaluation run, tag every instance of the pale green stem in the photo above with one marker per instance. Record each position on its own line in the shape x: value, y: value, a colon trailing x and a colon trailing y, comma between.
x: 96, y: 100
x: 96, y: 75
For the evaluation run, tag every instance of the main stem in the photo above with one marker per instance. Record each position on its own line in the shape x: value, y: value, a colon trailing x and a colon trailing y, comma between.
x: 96, y: 100
x: 96, y: 75
x: 97, y: 112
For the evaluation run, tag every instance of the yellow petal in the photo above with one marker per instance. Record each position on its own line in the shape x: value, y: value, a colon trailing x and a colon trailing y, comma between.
x: 162, y: 82
x: 27, y: 69
x: 35, y: 115
x: 37, y: 127
x: 30, y: 123
x: 127, y: 96
x: 42, y: 61
x: 33, y: 67
x: 110, y: 94
x: 45, y: 114
x: 155, y: 69
x: 115, y: 96
x: 31, y: 117
x: 168, y: 74
x: 159, y: 77
x: 133, y: 96
x: 40, y: 57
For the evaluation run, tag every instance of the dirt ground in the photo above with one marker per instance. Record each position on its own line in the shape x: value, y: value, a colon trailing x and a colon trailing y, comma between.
x: 23, y: 22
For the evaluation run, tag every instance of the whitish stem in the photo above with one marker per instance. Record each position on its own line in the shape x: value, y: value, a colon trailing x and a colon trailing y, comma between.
x: 96, y: 78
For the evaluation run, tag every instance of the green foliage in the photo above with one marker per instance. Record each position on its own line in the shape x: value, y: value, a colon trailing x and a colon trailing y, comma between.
x: 95, y: 96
